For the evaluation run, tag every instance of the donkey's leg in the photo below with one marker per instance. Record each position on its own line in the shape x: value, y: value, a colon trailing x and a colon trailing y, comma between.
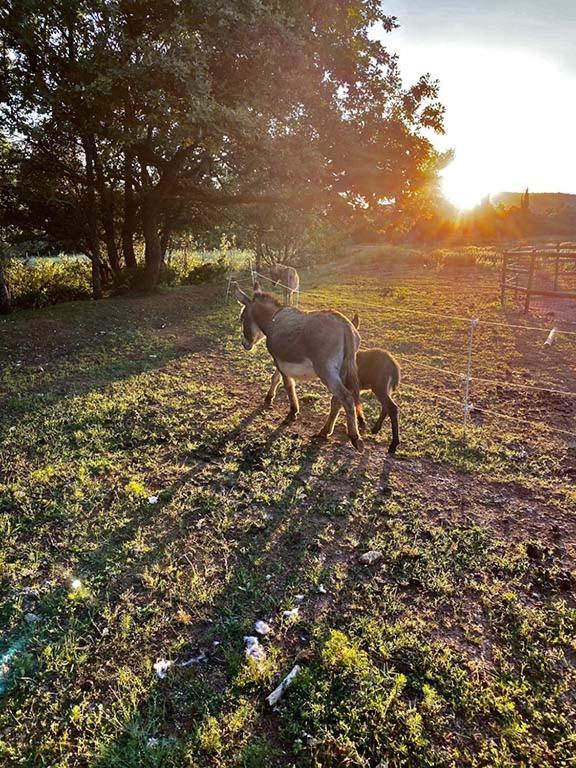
x: 393, y: 411
x: 274, y: 384
x: 335, y: 408
x: 333, y: 381
x: 291, y: 390
x: 361, y: 419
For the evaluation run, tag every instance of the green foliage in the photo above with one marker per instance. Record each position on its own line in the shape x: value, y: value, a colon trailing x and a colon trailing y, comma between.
x: 47, y: 281
x: 295, y: 106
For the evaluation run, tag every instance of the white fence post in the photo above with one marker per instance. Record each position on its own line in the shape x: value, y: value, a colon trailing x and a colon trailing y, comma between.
x: 467, y: 407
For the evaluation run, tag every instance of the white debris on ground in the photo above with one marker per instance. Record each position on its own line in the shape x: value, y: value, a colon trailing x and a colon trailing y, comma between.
x: 253, y: 648
x: 153, y: 742
x: 371, y: 557
x: 322, y: 589
x: 291, y: 615
x: 152, y: 499
x: 76, y: 584
x: 262, y: 627
x: 278, y: 692
x: 298, y: 598
x: 194, y: 660
x: 31, y: 618
x: 161, y: 667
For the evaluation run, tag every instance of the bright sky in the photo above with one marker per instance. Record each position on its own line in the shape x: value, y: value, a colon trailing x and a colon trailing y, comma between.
x: 507, y: 71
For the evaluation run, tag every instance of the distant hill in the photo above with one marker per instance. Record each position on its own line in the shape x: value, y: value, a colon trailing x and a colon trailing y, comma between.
x: 540, y: 202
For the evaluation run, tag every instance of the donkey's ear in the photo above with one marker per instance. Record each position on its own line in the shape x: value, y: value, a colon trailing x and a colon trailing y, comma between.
x: 239, y: 294
x: 356, y: 321
x: 257, y: 287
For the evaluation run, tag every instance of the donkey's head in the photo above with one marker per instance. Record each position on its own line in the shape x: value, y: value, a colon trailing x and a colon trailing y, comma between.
x: 256, y: 311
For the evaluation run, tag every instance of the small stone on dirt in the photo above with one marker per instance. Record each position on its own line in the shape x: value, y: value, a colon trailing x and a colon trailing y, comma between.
x: 31, y: 618
x: 371, y: 557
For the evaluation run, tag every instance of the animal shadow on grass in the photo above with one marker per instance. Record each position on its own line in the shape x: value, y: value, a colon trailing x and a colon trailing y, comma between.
x: 281, y: 550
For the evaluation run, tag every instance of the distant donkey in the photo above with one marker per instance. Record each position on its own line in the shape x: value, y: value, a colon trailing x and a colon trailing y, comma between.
x: 306, y: 345
x: 288, y: 278
x: 378, y: 371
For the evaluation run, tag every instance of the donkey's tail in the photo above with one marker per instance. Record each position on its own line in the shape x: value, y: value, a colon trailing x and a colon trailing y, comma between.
x: 349, y: 367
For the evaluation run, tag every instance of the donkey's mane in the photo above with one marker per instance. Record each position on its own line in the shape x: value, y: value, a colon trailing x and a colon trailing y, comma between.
x: 268, y: 298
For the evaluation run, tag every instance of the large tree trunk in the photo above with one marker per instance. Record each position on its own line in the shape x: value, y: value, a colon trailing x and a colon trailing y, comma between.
x: 106, y: 207
x: 130, y: 214
x: 5, y: 300
x: 153, y: 247
x: 109, y: 229
x: 92, y: 212
x: 165, y: 241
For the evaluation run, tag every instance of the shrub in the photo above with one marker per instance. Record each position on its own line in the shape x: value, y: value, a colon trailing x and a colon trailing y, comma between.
x: 48, y: 282
x: 208, y: 272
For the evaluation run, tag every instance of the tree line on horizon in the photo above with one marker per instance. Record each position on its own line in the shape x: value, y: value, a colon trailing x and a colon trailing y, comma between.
x: 505, y: 216
x: 129, y: 123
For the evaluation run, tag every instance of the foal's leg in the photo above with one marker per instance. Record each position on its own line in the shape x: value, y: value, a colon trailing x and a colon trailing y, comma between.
x: 335, y: 408
x: 389, y: 408
x: 274, y: 384
x: 380, y: 420
x: 333, y: 381
x: 291, y: 390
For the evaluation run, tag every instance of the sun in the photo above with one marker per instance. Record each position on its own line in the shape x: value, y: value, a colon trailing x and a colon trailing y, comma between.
x: 463, y: 188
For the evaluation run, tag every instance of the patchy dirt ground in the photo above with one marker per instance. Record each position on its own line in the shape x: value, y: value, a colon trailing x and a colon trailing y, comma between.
x: 151, y: 508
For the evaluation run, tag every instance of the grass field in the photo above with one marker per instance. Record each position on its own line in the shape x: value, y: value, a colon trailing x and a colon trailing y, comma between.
x: 151, y: 508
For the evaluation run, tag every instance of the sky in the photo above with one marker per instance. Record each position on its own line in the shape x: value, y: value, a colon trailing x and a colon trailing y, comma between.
x: 507, y: 72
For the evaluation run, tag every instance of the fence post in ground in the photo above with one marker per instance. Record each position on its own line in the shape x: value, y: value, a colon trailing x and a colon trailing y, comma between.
x: 530, y: 282
x: 503, y: 277
x: 556, y: 267
x: 467, y: 407
x: 228, y: 288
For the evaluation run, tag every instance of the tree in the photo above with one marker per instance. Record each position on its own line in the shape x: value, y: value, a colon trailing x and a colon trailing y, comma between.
x: 525, y: 202
x: 5, y: 300
x: 200, y: 106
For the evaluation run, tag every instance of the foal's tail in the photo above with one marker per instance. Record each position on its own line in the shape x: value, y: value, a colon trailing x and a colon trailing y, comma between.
x: 394, y: 375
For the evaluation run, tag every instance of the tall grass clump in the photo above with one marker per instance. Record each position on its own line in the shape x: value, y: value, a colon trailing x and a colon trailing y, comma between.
x: 47, y: 281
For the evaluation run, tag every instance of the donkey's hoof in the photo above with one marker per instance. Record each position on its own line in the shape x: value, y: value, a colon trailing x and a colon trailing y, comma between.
x: 392, y: 448
x: 322, y: 436
x: 375, y: 429
x: 357, y: 443
x: 291, y: 416
x: 268, y: 401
